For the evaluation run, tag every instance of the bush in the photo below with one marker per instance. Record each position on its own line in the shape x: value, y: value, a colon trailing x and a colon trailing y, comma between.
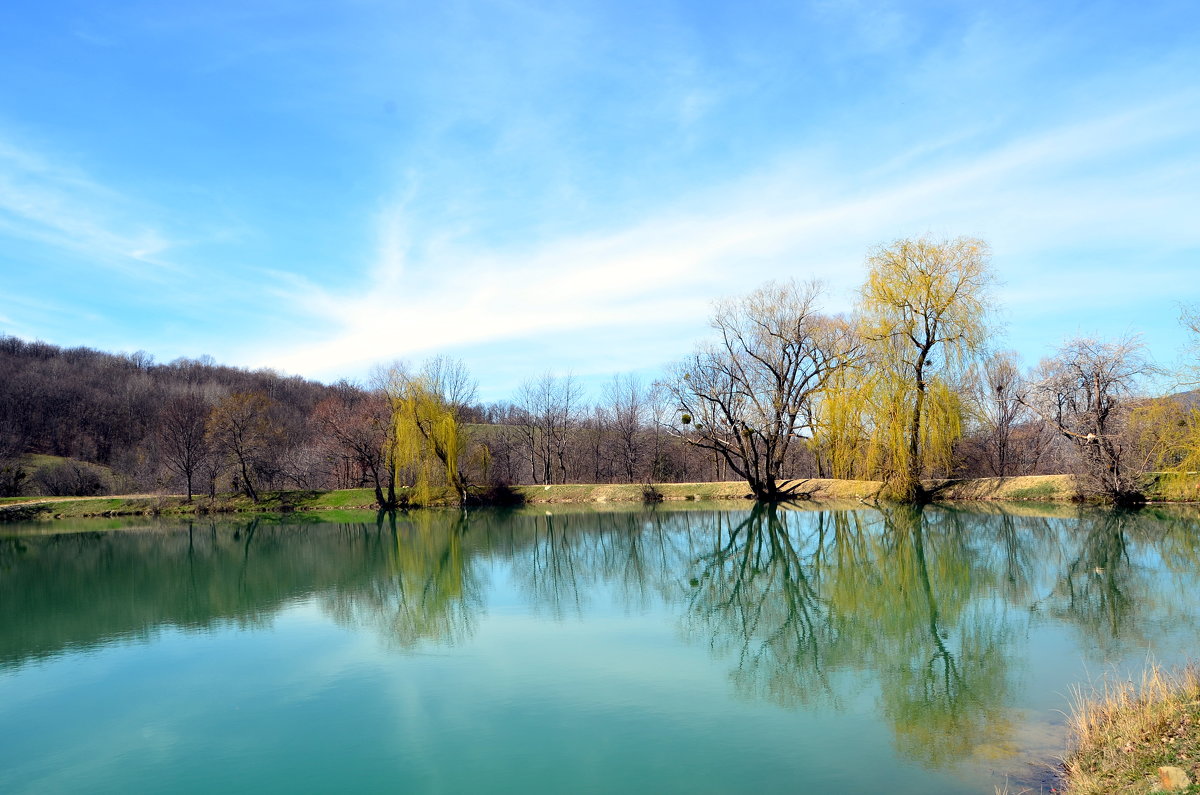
x: 70, y: 479
x: 498, y: 493
x: 12, y: 478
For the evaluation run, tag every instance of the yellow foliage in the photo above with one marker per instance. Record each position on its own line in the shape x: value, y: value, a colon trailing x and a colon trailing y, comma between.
x: 428, y: 435
x: 934, y: 291
x: 1167, y: 435
x: 943, y: 427
x: 839, y: 436
x: 923, y: 317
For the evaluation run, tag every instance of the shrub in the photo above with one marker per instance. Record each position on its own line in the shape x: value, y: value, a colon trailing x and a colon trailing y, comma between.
x: 12, y: 478
x: 498, y: 493
x: 70, y: 479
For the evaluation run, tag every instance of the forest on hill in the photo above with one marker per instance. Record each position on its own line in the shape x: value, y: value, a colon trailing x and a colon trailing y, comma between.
x: 123, y: 423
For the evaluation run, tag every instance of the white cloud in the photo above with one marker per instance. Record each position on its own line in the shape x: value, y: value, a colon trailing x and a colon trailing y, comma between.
x: 1030, y: 197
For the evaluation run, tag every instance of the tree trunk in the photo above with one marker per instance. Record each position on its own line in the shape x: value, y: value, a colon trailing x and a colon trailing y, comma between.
x: 909, y: 488
x: 250, y: 492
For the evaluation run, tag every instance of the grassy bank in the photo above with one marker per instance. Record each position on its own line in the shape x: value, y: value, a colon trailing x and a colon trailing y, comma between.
x: 1027, y: 488
x: 22, y: 508
x: 1036, y: 488
x: 1030, y: 489
x: 1133, y: 738
x: 27, y: 508
x: 730, y: 490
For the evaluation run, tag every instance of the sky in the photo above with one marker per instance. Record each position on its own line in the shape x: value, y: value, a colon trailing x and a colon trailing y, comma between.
x: 320, y: 187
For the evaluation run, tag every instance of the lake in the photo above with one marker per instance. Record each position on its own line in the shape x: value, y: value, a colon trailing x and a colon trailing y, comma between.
x: 693, y: 649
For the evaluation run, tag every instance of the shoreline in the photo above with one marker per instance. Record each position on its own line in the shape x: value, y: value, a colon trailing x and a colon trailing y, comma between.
x: 1051, y: 489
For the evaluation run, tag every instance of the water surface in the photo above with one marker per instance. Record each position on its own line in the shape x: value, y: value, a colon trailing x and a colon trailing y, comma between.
x: 664, y: 650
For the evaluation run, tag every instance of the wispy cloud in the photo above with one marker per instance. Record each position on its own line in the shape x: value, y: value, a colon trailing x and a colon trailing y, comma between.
x: 1026, y: 196
x: 534, y: 186
x: 56, y: 205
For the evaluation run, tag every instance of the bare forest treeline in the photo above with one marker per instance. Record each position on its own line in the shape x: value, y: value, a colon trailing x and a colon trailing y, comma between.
x: 129, y: 424
x: 131, y: 418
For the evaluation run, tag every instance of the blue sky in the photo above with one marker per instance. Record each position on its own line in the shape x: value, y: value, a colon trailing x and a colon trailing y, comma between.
x: 318, y: 187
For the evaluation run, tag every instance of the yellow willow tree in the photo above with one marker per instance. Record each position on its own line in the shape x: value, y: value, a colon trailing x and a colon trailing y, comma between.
x: 1166, y: 432
x: 838, y: 437
x: 429, y: 437
x: 1169, y: 428
x: 924, y: 310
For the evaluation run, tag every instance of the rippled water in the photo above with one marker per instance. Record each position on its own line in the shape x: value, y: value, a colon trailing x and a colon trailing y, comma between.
x: 666, y: 650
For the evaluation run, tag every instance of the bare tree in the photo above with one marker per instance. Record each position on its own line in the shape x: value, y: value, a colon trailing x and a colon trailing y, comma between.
x: 593, y: 445
x: 181, y: 436
x: 241, y: 429
x: 453, y: 383
x: 12, y: 446
x: 548, y: 405
x: 505, y: 441
x: 359, y: 425
x: 999, y: 386
x: 748, y: 396
x: 1189, y: 318
x: 626, y: 402
x: 1086, y: 393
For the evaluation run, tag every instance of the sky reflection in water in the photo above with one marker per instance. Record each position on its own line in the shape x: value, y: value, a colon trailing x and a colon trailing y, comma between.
x: 658, y: 650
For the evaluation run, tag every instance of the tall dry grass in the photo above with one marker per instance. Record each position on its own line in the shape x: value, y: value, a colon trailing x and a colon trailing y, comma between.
x: 1123, y: 732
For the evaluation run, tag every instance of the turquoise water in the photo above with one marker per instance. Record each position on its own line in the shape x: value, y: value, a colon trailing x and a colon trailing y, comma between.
x: 640, y: 651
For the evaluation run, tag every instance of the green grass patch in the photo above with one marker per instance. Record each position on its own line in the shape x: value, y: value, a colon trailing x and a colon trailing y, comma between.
x: 345, y: 498
x: 1041, y: 491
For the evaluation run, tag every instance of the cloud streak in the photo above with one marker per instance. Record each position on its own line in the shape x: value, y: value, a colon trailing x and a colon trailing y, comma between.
x: 535, y: 187
x: 1028, y: 197
x: 47, y: 203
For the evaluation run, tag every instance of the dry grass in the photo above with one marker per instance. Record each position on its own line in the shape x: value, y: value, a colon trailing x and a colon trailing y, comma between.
x: 1035, y: 488
x: 815, y: 488
x: 1022, y: 488
x: 631, y: 492
x: 1126, y: 731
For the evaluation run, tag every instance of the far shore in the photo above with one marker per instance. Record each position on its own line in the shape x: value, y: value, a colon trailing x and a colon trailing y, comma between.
x: 1022, y: 489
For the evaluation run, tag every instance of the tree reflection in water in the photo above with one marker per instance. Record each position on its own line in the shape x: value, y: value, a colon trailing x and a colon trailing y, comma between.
x: 928, y: 609
x: 850, y: 592
x: 426, y: 588
x: 563, y: 559
x: 934, y: 604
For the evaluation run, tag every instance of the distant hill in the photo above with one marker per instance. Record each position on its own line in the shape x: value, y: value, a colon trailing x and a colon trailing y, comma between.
x: 1191, y: 398
x: 102, y: 408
